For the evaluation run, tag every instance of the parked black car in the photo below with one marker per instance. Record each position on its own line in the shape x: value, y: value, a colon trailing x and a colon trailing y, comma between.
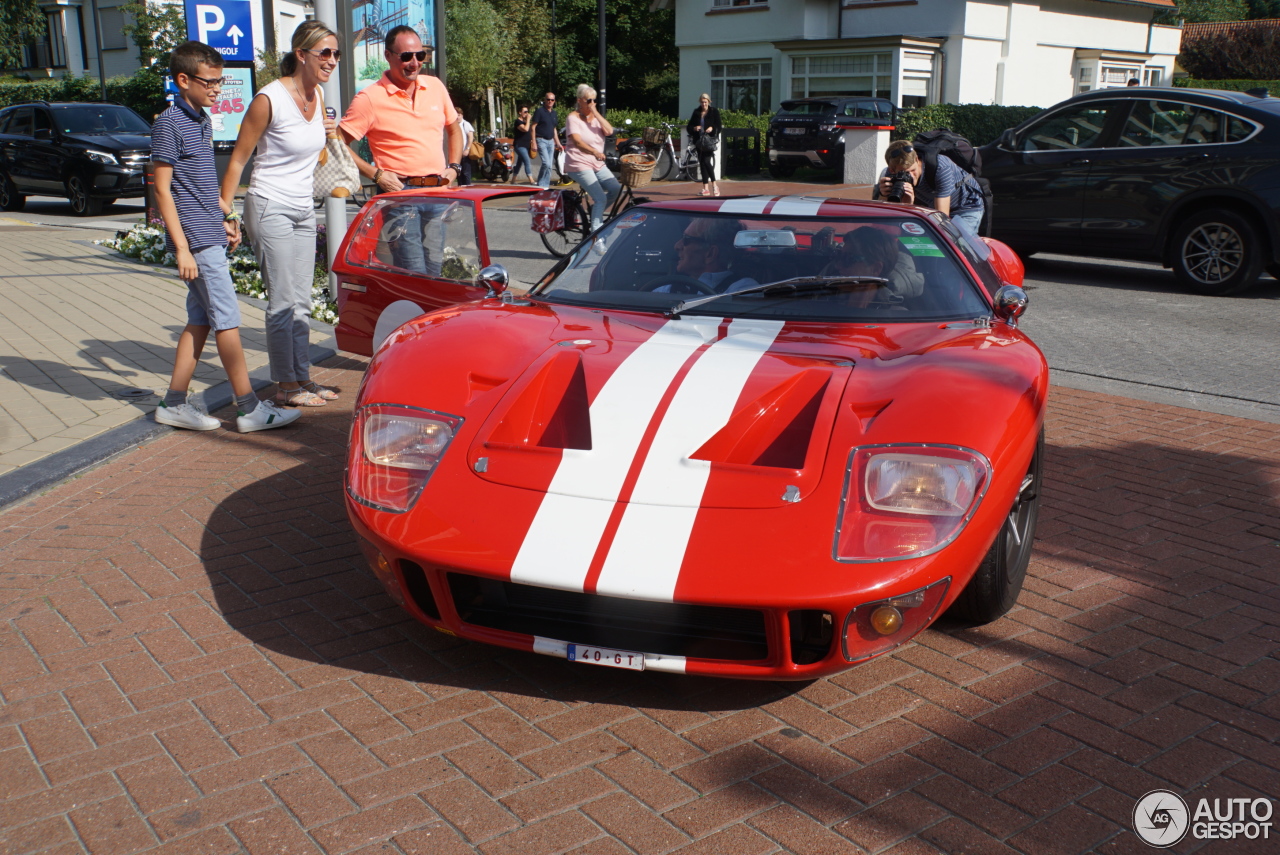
x: 1186, y: 177
x: 809, y: 131
x: 92, y: 153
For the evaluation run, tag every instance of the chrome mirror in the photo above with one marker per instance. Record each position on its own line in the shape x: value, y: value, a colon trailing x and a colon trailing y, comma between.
x: 494, y: 278
x: 1010, y: 302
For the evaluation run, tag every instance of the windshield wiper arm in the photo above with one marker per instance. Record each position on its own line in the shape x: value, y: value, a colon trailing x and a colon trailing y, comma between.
x: 798, y: 285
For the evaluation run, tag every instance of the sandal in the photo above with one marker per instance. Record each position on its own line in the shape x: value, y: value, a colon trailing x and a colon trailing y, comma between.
x: 705, y: 192
x: 298, y: 398
x: 326, y: 392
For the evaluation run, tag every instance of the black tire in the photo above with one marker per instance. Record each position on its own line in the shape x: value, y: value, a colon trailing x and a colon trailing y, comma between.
x: 10, y: 198
x: 995, y: 586
x: 782, y: 170
x: 1217, y: 252
x: 82, y: 204
x: 563, y: 242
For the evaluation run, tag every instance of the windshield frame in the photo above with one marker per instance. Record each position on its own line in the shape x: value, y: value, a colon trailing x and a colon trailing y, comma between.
x: 978, y: 305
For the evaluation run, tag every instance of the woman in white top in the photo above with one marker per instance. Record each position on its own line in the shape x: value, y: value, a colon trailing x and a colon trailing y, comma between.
x: 287, y: 125
x: 584, y: 155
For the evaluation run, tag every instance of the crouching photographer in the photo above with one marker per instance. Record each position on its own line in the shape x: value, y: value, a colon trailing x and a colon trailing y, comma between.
x: 949, y: 189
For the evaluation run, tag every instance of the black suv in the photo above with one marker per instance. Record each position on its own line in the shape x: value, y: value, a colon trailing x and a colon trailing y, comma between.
x: 92, y: 153
x: 808, y: 131
x: 1186, y: 177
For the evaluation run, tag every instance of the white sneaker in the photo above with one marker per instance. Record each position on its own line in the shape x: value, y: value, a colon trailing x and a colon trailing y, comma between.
x: 185, y: 416
x: 266, y: 416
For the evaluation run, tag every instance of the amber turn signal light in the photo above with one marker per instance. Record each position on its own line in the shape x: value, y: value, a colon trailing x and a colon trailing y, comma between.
x: 886, y: 620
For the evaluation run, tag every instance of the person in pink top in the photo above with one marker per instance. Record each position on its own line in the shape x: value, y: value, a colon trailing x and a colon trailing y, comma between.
x: 586, y: 130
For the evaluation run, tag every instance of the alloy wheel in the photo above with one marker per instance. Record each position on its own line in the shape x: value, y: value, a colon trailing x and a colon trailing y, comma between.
x: 1212, y: 253
x: 78, y: 194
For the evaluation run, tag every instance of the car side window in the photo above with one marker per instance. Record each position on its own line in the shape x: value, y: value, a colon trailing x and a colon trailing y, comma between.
x: 419, y: 236
x: 4, y: 121
x: 1076, y: 127
x: 1206, y: 127
x: 41, y: 119
x: 1156, y: 123
x: 20, y: 124
x: 1238, y: 129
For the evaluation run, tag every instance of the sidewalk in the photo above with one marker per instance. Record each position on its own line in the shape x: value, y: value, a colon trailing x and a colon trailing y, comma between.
x: 87, y: 341
x: 194, y: 657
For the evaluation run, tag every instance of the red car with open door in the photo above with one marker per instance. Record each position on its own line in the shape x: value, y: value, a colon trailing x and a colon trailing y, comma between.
x: 765, y: 437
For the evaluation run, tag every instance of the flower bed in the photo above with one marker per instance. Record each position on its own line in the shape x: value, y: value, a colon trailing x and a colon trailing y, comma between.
x: 145, y: 242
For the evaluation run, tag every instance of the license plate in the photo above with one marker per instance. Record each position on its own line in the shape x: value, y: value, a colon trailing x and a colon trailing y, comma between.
x: 796, y: 131
x: 604, y: 656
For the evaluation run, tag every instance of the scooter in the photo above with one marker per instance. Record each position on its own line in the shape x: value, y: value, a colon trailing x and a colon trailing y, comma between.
x: 499, y: 158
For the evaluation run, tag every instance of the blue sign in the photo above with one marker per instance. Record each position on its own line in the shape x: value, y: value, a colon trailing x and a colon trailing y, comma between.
x: 224, y: 25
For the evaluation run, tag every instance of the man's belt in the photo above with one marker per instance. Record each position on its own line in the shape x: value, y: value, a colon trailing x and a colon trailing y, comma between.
x: 425, y: 181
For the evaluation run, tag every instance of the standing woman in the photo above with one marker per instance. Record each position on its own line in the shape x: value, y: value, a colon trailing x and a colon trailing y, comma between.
x: 523, y: 142
x: 586, y: 130
x: 287, y: 125
x: 705, y: 120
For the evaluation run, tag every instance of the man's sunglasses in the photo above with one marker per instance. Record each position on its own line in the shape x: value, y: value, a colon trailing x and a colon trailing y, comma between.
x: 328, y: 53
x: 549, y: 100
x: 688, y: 238
x: 420, y: 56
x: 209, y: 82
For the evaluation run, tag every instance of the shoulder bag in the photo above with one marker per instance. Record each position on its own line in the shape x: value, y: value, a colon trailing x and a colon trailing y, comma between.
x: 336, y: 173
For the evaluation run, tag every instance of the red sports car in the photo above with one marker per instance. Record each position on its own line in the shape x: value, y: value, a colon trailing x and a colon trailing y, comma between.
x: 764, y: 437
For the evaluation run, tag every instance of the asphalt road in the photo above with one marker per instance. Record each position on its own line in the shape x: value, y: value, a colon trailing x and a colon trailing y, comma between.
x: 1122, y: 328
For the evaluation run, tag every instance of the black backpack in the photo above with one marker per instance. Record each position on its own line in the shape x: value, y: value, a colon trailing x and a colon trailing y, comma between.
x: 930, y: 144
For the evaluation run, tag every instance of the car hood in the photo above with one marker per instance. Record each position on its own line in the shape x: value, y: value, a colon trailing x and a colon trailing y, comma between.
x: 637, y: 408
x: 113, y: 142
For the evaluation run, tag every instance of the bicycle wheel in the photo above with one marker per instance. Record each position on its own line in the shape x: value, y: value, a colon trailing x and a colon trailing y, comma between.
x: 561, y: 243
x: 668, y: 154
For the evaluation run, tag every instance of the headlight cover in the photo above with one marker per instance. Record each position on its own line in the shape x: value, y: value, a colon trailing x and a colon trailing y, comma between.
x: 102, y: 157
x: 392, y: 452
x: 907, y: 500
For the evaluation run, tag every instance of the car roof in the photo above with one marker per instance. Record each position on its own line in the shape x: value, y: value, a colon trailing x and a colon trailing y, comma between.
x: 1227, y: 95
x: 819, y: 207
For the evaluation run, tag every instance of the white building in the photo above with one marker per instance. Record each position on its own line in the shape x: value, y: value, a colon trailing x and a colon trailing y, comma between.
x: 71, y: 43
x: 752, y: 54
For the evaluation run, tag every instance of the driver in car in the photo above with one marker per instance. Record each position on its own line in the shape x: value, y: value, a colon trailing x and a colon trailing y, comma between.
x: 703, y: 253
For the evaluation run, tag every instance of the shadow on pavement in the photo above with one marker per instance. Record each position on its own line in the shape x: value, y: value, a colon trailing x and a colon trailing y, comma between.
x: 1103, y: 273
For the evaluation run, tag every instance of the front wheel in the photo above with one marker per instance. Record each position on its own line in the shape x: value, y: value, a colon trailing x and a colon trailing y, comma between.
x: 998, y: 580
x: 82, y: 204
x: 10, y: 198
x: 560, y: 243
x: 1217, y: 252
x: 668, y: 156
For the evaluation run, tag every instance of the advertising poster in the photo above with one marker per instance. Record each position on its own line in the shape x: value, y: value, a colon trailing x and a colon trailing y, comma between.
x: 371, y: 20
x: 228, y: 110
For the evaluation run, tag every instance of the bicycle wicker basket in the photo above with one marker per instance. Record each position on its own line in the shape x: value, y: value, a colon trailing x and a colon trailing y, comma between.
x: 637, y: 169
x: 656, y: 136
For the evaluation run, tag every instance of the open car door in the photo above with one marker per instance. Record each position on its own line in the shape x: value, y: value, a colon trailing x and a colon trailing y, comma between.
x: 408, y: 253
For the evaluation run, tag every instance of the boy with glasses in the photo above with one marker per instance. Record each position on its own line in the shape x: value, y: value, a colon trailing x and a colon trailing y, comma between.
x: 545, y: 136
x: 198, y: 228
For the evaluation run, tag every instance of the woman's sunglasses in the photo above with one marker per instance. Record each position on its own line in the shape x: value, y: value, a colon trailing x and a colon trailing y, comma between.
x: 420, y: 56
x: 328, y: 53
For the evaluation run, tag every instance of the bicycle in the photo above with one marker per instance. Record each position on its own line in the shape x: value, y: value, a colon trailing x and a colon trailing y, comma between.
x: 562, y: 241
x: 658, y: 142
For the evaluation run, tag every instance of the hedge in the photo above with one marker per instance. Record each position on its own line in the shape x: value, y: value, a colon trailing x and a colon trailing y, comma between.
x: 978, y: 123
x: 1272, y: 86
x: 144, y: 91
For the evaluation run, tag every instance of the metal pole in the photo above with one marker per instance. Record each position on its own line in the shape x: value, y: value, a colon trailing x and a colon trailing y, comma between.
x: 552, y: 88
x: 97, y: 38
x: 600, y: 97
x: 441, y: 70
x: 335, y: 209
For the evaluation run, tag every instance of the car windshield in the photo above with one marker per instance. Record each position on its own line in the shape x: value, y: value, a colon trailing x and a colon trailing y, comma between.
x: 100, y: 119
x: 888, y: 269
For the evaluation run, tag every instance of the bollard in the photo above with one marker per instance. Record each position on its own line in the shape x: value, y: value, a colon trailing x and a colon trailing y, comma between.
x: 149, y: 183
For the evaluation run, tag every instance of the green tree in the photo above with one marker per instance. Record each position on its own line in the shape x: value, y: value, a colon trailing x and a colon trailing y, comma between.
x: 1206, y: 11
x: 1264, y: 9
x: 478, y: 45
x: 156, y: 28
x: 21, y: 22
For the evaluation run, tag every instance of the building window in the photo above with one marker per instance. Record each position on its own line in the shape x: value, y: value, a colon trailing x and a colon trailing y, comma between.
x: 1116, y: 75
x: 852, y: 74
x: 113, y: 37
x: 725, y: 4
x: 1151, y: 77
x: 743, y: 86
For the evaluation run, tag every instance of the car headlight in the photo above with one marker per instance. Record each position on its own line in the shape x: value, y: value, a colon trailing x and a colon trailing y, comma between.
x: 906, y: 501
x: 102, y: 157
x: 393, y: 451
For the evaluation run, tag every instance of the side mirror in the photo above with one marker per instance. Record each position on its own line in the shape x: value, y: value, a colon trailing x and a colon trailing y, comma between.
x: 1010, y: 302
x: 494, y: 278
x: 1007, y: 141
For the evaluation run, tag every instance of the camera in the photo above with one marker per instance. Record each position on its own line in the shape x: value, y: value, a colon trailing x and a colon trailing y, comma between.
x: 897, y: 180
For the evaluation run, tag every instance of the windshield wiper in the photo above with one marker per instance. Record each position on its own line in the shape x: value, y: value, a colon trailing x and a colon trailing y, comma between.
x: 798, y: 285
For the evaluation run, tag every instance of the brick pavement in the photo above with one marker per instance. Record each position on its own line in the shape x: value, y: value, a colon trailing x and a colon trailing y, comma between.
x: 193, y: 658
x: 72, y: 335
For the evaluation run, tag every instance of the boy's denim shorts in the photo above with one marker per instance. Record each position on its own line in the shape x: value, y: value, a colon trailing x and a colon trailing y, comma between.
x: 211, y: 296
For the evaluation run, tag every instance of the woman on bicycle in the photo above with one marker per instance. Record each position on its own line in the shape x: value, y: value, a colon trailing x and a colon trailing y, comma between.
x: 705, y: 121
x: 586, y: 130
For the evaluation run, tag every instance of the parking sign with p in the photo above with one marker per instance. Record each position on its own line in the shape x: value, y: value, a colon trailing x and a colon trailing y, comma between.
x: 224, y: 25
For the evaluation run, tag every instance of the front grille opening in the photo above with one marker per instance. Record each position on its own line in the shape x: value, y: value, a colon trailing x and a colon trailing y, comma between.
x: 415, y: 580
x: 671, y: 629
x: 812, y: 632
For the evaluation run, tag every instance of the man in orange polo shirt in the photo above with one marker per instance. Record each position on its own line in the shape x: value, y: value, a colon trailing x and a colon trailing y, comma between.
x: 405, y: 116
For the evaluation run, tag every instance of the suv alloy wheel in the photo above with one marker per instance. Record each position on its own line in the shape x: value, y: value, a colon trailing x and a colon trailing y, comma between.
x: 82, y: 204
x: 10, y: 198
x: 1217, y: 252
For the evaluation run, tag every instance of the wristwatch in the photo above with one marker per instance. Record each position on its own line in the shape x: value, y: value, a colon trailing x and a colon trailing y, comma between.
x: 456, y: 167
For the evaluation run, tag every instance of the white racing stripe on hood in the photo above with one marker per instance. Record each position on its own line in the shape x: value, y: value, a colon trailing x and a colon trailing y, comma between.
x: 647, y: 552
x: 751, y: 205
x: 557, y: 550
x: 797, y: 206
